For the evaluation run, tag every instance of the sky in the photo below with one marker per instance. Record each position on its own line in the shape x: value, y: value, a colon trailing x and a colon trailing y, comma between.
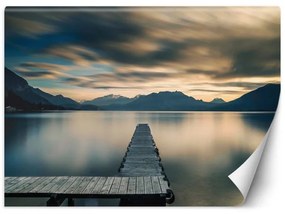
x: 204, y: 52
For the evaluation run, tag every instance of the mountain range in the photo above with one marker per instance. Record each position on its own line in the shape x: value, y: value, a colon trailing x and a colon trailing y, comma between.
x: 20, y: 95
x: 109, y: 100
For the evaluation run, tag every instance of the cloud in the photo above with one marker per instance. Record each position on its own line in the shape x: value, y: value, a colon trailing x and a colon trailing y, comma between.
x: 151, y: 47
x: 40, y: 65
x: 229, y: 87
x: 38, y: 74
x: 35, y: 70
x: 17, y: 25
x: 76, y: 54
x: 212, y: 90
x: 252, y: 58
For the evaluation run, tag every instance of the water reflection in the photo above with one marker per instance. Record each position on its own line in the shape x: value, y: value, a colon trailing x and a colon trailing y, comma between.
x: 198, y: 149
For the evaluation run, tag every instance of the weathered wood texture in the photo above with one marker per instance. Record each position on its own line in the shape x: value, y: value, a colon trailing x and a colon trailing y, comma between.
x: 84, y: 186
x: 142, y: 156
x: 142, y: 160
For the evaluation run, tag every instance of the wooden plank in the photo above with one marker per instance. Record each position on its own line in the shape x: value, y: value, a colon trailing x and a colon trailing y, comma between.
x: 145, y: 137
x: 154, y: 156
x: 140, y: 141
x: 93, y: 185
x: 132, y: 185
x: 124, y: 185
x: 9, y: 179
x: 142, y: 166
x: 143, y: 145
x: 142, y: 153
x: 140, y: 185
x: 80, y: 188
x: 142, y: 149
x: 33, y: 185
x: 141, y: 161
x: 142, y: 158
x: 10, y: 183
x: 27, y: 182
x: 20, y: 182
x: 107, y: 186
x: 155, y: 184
x: 58, y: 183
x: 115, y: 186
x: 144, y: 132
x: 47, y: 188
x: 137, y: 170
x: 139, y: 174
x: 148, y: 146
x: 42, y: 185
x: 99, y: 185
x: 89, y: 188
x: 163, y: 184
x: 71, y: 189
x: 148, y: 185
x: 66, y: 185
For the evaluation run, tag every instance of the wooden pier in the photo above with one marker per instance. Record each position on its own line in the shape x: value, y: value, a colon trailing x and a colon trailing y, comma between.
x: 141, y: 180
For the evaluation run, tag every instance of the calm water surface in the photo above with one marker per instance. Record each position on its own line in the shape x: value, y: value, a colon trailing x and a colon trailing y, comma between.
x: 198, y: 149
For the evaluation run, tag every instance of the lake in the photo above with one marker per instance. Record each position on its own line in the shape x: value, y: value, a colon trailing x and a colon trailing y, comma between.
x: 198, y: 149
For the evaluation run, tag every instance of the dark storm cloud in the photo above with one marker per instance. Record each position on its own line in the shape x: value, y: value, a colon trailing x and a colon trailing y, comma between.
x: 95, y: 84
x: 41, y: 66
x: 38, y: 74
x: 253, y: 57
x: 102, y: 32
x: 25, y: 24
x: 191, y: 42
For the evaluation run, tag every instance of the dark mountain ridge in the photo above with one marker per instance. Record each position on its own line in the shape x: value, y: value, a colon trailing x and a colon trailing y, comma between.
x: 20, y: 95
x: 163, y: 101
x: 110, y: 99
x: 264, y: 98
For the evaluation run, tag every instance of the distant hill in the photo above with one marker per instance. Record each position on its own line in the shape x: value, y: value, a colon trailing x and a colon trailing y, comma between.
x: 17, y: 86
x: 58, y: 100
x: 19, y: 94
x: 162, y: 101
x: 217, y: 100
x: 15, y: 102
x: 262, y: 99
x: 110, y: 99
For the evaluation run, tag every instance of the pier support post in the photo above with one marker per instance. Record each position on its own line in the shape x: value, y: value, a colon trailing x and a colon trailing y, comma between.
x: 55, y: 200
x: 70, y: 202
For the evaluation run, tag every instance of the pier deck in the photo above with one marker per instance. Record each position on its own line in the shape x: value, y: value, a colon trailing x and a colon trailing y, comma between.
x: 141, y: 179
